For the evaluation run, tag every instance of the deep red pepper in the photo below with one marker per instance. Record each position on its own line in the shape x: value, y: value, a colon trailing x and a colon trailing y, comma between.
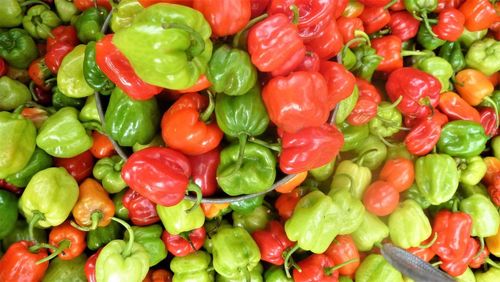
x: 315, y: 268
x: 443, y: 4
x: 141, y: 211
x: 79, y: 166
x: 437, y: 116
x: 339, y: 80
x: 423, y: 137
x: 204, y: 170
x: 458, y: 266
x: 3, y: 67
x: 488, y: 119
x: 479, y: 14
x: 19, y: 263
x: 63, y: 33
x: 311, y: 62
x: 389, y: 47
x: 339, y: 8
x: 450, y: 24
x: 367, y: 105
x: 119, y: 70
x: 185, y: 243
x: 67, y: 234
x: 259, y: 7
x: 374, y: 18
x: 54, y: 57
x: 39, y: 73
x: 42, y: 96
x: 453, y: 233
x: 341, y: 250
x: 272, y: 242
x: 348, y: 26
x: 89, y: 268
x: 368, y: 90
x: 479, y: 259
x: 226, y: 17
x: 424, y: 253
x: 456, y: 108
x: 286, y: 202
x: 403, y: 25
x: 328, y: 43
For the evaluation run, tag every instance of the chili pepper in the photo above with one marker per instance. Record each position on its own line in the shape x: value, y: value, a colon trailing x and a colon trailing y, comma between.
x: 149, y: 238
x: 328, y: 41
x: 285, y: 204
x: 83, y: 5
x: 192, y: 267
x: 353, y: 176
x: 253, y: 220
x: 452, y: 52
x: 459, y: 265
x: 403, y: 25
x: 272, y: 242
x: 473, y: 86
x: 340, y: 82
x: 69, y: 241
x: 66, y: 10
x: 485, y: 217
x: 347, y: 27
x: 142, y: 211
x: 453, y: 231
x: 374, y: 18
x: 487, y: 276
x: 462, y: 138
x: 258, y: 7
x: 399, y: 172
x: 59, y: 100
x: 17, y: 48
x: 472, y: 170
x: 493, y: 244
x: 94, y: 207
x: 39, y: 20
x: 489, y: 120
x: 479, y: 14
x: 342, y: 250
x: 12, y: 14
x: 119, y: 70
x: 100, y: 236
x: 56, y: 54
x: 427, y: 40
x: 408, y: 225
x: 439, y: 68
x: 442, y: 4
x: 316, y: 267
x: 94, y: 77
x: 483, y: 56
x: 185, y: 221
x: 450, y: 24
x: 371, y: 231
x: 102, y: 146
x: 204, y: 170
x: 349, y: 209
x: 426, y: 254
x: 321, y: 173
x: 429, y: 172
x: 89, y: 112
x: 62, y: 35
x: 381, y: 198
x: 13, y: 94
x: 366, y: 107
x: 233, y: 18
x: 66, y: 270
x: 8, y: 212
x: 375, y: 268
x: 70, y: 78
x: 311, y: 62
x: 79, y: 166
x: 36, y: 115
x: 20, y: 263
x: 120, y: 210
x: 248, y: 205
x: 367, y: 62
x: 371, y: 153
x: 108, y: 170
x: 387, y: 121
x: 89, y: 22
x: 185, y: 243
x: 39, y: 73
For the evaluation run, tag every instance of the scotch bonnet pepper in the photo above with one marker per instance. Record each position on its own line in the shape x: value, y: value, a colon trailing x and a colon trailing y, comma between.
x: 408, y: 225
x: 39, y: 20
x: 18, y: 48
x: 70, y: 78
x: 437, y: 177
x: 184, y: 220
x: 484, y: 56
x: 462, y: 138
x: 39, y: 160
x: 13, y: 93
x: 192, y: 267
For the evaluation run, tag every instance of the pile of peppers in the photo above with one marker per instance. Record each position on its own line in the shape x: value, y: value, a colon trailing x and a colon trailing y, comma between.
x: 248, y: 140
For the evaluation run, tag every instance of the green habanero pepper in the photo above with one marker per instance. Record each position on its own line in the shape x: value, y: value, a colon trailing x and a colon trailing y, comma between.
x: 235, y: 253
x: 351, y: 210
x: 39, y: 160
x: 40, y: 20
x: 17, y: 143
x: 371, y: 153
x: 89, y: 23
x: 345, y: 107
x: 489, y: 276
x: 66, y: 10
x: 18, y: 48
x: 100, y: 236
x: 176, y: 219
x: 88, y: 113
x: 149, y: 238
x: 314, y: 222
x: 422, y: 55
x: 120, y: 210
x: 255, y: 220
x: 469, y: 37
x: 93, y: 75
x: 49, y: 197
x: 231, y: 71
x: 62, y: 135
x: 484, y: 56
x: 427, y: 40
x: 399, y: 150
x: 124, y: 14
x: 462, y: 138
x: 175, y: 45
x: 193, y: 267
x: 8, y: 212
x: 440, y: 69
x: 408, y: 225
x: 248, y: 205
x: 70, y: 77
x: 437, y: 177
x: 371, y: 231
x: 324, y: 172
x: 66, y: 270
x: 12, y: 13
x: 471, y: 169
x: 59, y: 100
x: 485, y: 217
x: 352, y: 176
x: 452, y: 52
x: 12, y: 94
x: 375, y: 268
x: 414, y: 194
x: 387, y: 121
x: 255, y: 276
x: 130, y: 121
x: 108, y: 171
x: 21, y: 232
x: 367, y: 61
x: 353, y: 135
x: 420, y: 7
x: 276, y: 274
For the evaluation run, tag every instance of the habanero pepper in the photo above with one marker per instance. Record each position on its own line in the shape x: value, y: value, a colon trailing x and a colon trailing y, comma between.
x: 348, y: 26
x: 381, y: 198
x: 462, y: 138
x: 453, y: 231
x: 367, y: 61
x: 273, y: 243
x: 20, y: 263
x: 374, y: 18
x: 94, y: 208
x: 88, y: 24
x: 489, y: 120
x: 450, y: 24
x: 340, y: 82
x: 286, y: 202
x: 141, y: 211
x: 403, y: 25
x: 83, y: 5
x: 89, y: 268
x: 473, y: 86
x: 259, y: 7
x: 442, y: 4
x: 452, y: 52
x: 483, y: 55
x: 479, y: 14
x: 186, y: 243
x: 99, y: 237
x: 399, y: 172
x: 69, y: 241
x: 458, y: 266
x: 108, y: 171
x: 367, y: 104
x: 437, y: 177
x: 457, y: 108
x: 341, y: 250
x: 18, y: 48
x: 149, y: 238
x: 39, y: 73
x: 408, y: 225
x: 204, y: 170
x: 311, y: 62
x: 225, y: 17
x: 318, y: 267
x: 328, y: 42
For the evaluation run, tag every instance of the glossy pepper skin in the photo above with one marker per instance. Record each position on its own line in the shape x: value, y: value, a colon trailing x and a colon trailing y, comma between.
x: 94, y: 77
x: 428, y: 176
x: 371, y: 231
x: 453, y: 230
x: 181, y: 30
x: 483, y: 56
x: 452, y: 52
x: 204, y: 171
x: 353, y: 176
x: 67, y: 234
x: 93, y: 200
x: 342, y: 250
x: 19, y: 263
x: 350, y: 210
x: 124, y: 14
x: 403, y: 25
x: 328, y: 41
x: 367, y: 61
x: 272, y: 242
x: 450, y: 24
x: 225, y: 18
x: 374, y: 18
x: 316, y: 267
x: 149, y: 238
x: 479, y: 14
x: 473, y: 86
x: 185, y: 243
x: 340, y: 82
x: 485, y: 217
x: 376, y: 268
x: 462, y: 138
x: 39, y: 20
x: 488, y: 119
x: 13, y: 14
x: 457, y: 108
x: 252, y: 221
x: 88, y: 24
x: 70, y: 78
x: 108, y: 171
x: 8, y: 212
x: 439, y: 68
x: 184, y: 221
x: 17, y: 48
x: 13, y: 94
x: 409, y: 216
x: 389, y: 47
x: 423, y: 137
x: 427, y: 40
x: 100, y: 236
x: 142, y: 211
x: 193, y: 267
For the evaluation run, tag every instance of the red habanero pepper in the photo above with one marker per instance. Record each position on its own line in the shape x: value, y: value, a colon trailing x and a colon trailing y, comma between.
x: 374, y: 18
x: 158, y: 275
x: 37, y: 115
x: 443, y: 4
x: 183, y: 127
x: 339, y: 80
x: 69, y: 236
x: 437, y: 116
x: 273, y: 42
x: 450, y: 24
x: 141, y: 211
x: 403, y: 25
x: 328, y: 43
x: 63, y: 33
x: 39, y: 73
x: 101, y: 146
x: 311, y: 62
x: 457, y: 266
x: 389, y: 47
x: 204, y: 170
x: 272, y: 242
x: 488, y: 119
x: 185, y: 243
x: 259, y: 7
x: 226, y: 17
x: 297, y: 101
x: 3, y: 67
x: 340, y: 6
x: 398, y: 6
x: 54, y: 57
x: 89, y: 268
x: 494, y: 189
x: 20, y: 264
x: 119, y: 70
x: 83, y: 5
x: 201, y: 84
x: 479, y: 14
x: 423, y: 137
x: 381, y: 198
x: 453, y: 233
x: 400, y: 172
x: 457, y: 108
x: 348, y: 26
x: 309, y: 148
x: 424, y: 253
x: 286, y: 202
x: 318, y: 267
x: 343, y: 249
x: 368, y: 90
x: 419, y: 89
x: 479, y: 259
x: 79, y: 166
x: 367, y: 105
x: 492, y: 170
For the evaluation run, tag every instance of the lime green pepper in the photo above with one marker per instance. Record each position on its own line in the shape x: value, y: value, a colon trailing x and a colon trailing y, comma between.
x: 414, y: 194
x: 193, y: 267
x: 124, y: 13
x: 371, y: 231
x: 367, y: 61
x: 484, y: 55
x: 149, y: 238
x: 452, y: 52
x: 63, y: 136
x: 439, y: 68
x: 39, y: 160
x: 350, y: 209
x: 235, y: 253
x: 371, y: 153
x: 408, y: 225
x: 324, y: 172
x: 88, y: 113
x: 422, y: 55
x: 89, y: 23
x: 66, y: 270
x: 93, y: 75
x: 8, y: 212
x: 255, y: 220
x: 255, y: 276
x: 469, y: 37
x: 437, y: 177
x: 276, y: 274
x: 49, y: 197
x: 485, y: 217
x: 66, y: 9
x: 387, y: 121
x: 21, y: 232
x: 12, y: 14
x: 184, y: 221
x: 17, y: 142
x: 108, y: 171
x: 120, y: 210
x: 12, y: 94
x: 40, y: 20
x: 462, y: 138
x: 472, y: 170
x: 489, y: 276
x: 352, y: 176
x: 18, y: 48
x: 353, y: 135
x: 427, y: 40
x: 248, y: 205
x: 375, y: 268
x: 100, y: 236
x: 175, y: 45
x: 70, y: 78
x: 346, y: 106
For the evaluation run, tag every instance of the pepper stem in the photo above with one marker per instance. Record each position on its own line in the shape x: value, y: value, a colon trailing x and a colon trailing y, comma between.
x: 329, y: 270
x: 274, y: 147
x: 27, y: 3
x: 197, y: 42
x: 428, y: 245
x: 130, y: 243
x: 295, y: 11
x: 193, y: 187
x: 252, y: 22
x: 351, y: 180
x: 37, y: 247
x: 406, y: 53
x: 241, y: 154
x: 388, y: 5
x: 427, y: 24
x: 481, y: 249
x: 63, y: 245
x: 359, y: 160
x: 37, y: 216
x: 185, y: 236
x: 95, y: 218
x: 287, y: 255
x: 207, y: 113
x: 494, y: 105
x: 492, y: 263
x: 387, y: 143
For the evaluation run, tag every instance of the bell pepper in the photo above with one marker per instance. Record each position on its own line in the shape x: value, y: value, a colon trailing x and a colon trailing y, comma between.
x: 18, y: 48
x: 343, y: 250
x: 39, y: 20
x: 88, y: 24
x: 70, y: 77
x: 272, y: 242
x: 204, y: 171
x: 21, y: 232
x: 457, y: 108
x: 374, y: 18
x: 367, y: 105
x: 276, y: 274
x: 403, y: 25
x: 64, y: 270
x: 381, y: 198
x: 149, y: 238
x: 130, y: 121
x: 485, y: 217
x: 49, y: 197
x: 235, y: 253
x: 328, y: 42
x: 375, y: 268
x: 473, y: 86
x: 124, y: 13
x: 192, y: 41
x: 340, y: 82
x: 119, y: 70
x: 193, y: 267
x: 185, y: 243
x: 108, y: 171
x: 102, y: 146
x: 233, y: 18
x: 367, y: 61
x: 142, y: 212
x: 120, y: 210
x: 253, y: 221
x: 408, y: 225
x: 483, y: 56
x: 450, y: 24
x: 472, y: 170
x: 69, y: 241
x: 323, y: 172
x: 462, y: 138
x: 458, y: 266
x: 398, y: 171
x: 66, y: 9
x: 453, y: 230
x: 349, y: 208
x: 94, y: 207
x: 371, y: 231
x: 429, y: 172
x: 317, y: 267
x: 93, y: 75
x: 185, y: 221
x: 12, y: 94
x: 387, y: 121
x: 427, y: 40
x: 479, y: 14
x: 439, y: 68
x: 89, y: 114
x: 8, y: 212
x: 488, y: 276
x: 100, y: 236
x: 452, y: 52
x: 352, y: 176
x: 12, y: 14
x: 20, y: 263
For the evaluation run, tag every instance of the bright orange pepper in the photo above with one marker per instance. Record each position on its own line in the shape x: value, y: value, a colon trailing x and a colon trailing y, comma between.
x: 473, y: 86
x: 213, y: 210
x: 94, y: 207
x: 291, y: 184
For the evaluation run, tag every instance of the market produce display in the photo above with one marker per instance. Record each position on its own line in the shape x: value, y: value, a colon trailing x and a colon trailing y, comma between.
x: 249, y: 140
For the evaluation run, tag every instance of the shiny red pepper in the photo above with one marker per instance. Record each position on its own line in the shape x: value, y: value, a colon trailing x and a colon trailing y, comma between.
x: 450, y: 24
x: 494, y: 189
x: 443, y: 4
x: 479, y: 14
x: 311, y: 62
x: 398, y: 6
x: 69, y: 236
x: 226, y: 17
x: 39, y: 73
x: 204, y: 170
x: 272, y: 242
x: 79, y: 166
x: 119, y: 70
x: 286, y: 202
x: 185, y: 243
x: 83, y: 5
x: 374, y: 18
x: 423, y: 137
x: 457, y: 266
x: 316, y: 267
x: 437, y: 116
x: 339, y: 8
x: 343, y: 249
x: 403, y: 25
x: 488, y: 119
x: 453, y: 233
x: 19, y: 263
x: 89, y: 268
x: 328, y: 42
x: 389, y: 47
x: 348, y: 26
x: 367, y: 105
x: 141, y: 211
x: 62, y: 34
x: 424, y: 253
x: 259, y: 7
x: 479, y: 259
x: 339, y: 80
x: 457, y: 108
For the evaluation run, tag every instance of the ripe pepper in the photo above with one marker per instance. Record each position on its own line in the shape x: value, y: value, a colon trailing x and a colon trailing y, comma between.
x: 468, y: 37
x: 371, y: 231
x: 88, y: 24
x: 459, y: 265
x: 489, y: 120
x: 375, y: 268
x: 185, y: 221
x: 252, y: 221
x: 274, y: 43
x: 483, y: 56
x: 353, y: 176
x: 141, y: 211
x: 8, y: 212
x: 487, y: 276
x: 457, y: 108
x: 453, y: 231
x: 231, y: 71
x: 423, y: 137
x: 427, y: 40
x: 387, y: 121
x: 472, y: 170
x: 403, y: 25
x: 12, y: 14
x: 184, y: 128
x: 367, y: 62
x: 70, y: 77
x: 62, y: 34
x: 65, y: 10
x: 273, y: 242
x: 374, y: 18
x: 130, y: 121
x: 479, y: 14
x: 328, y: 41
x: 313, y: 217
x: 342, y: 250
x: 366, y: 106
x: 485, y: 217
x: 353, y: 135
x: 100, y: 236
x: 17, y: 145
x: 408, y: 225
x: 13, y: 94
x: 79, y: 166
x: 349, y: 209
x: 493, y: 244
x: 399, y: 172
x: 381, y: 198
x: 93, y: 75
x: 39, y: 73
x: 439, y: 68
x: 309, y: 148
x: 94, y: 207
x: 452, y: 53
x: 473, y: 86
x: 120, y: 210
x: 66, y: 270
x: 399, y: 150
x: 18, y: 48
x: 39, y: 20
x: 204, y: 171
x: 462, y: 138
x: 83, y: 5
x: 102, y: 146
x: 56, y: 54
x: 149, y: 238
x: 317, y: 267
x: 108, y: 171
x: 323, y: 172
x: 348, y: 27
x: 346, y: 106
x: 418, y: 89
x: 450, y: 24
x: 185, y: 243
x: 193, y: 267
x: 235, y: 253
x: 69, y: 241
x: 286, y: 202
x: 276, y: 274
x: 340, y: 82
x: 19, y: 263
x: 429, y: 172
x: 228, y: 21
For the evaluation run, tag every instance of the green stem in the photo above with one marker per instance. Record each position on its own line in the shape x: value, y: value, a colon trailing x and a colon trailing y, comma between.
x: 197, y: 42
x: 128, y: 249
x: 274, y: 147
x: 405, y: 53
x: 329, y: 270
x: 287, y: 257
x: 359, y: 160
x: 436, y: 263
x: 37, y: 216
x: 351, y: 180
x: 27, y: 3
x: 494, y: 105
x: 241, y: 153
x: 207, y: 113
x: 481, y: 249
x: 393, y: 105
x: 388, y: 5
x: 295, y: 12
x: 250, y: 24
x: 193, y: 187
x: 427, y: 24
x: 387, y: 143
x: 341, y: 54
x: 428, y: 245
x: 37, y: 247
x: 492, y: 263
x: 63, y: 245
